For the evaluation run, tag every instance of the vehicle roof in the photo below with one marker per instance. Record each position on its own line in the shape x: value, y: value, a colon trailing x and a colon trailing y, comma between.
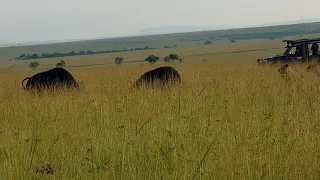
x: 313, y: 40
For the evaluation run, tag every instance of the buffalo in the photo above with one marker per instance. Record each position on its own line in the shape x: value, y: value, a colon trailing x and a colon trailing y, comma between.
x: 53, y: 78
x: 162, y: 75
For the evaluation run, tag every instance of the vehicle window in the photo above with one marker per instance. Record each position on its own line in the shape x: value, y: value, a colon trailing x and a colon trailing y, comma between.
x: 292, y: 50
x: 313, y: 49
x: 309, y: 49
x: 296, y: 51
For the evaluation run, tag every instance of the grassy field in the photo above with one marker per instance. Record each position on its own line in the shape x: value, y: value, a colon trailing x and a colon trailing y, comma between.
x: 230, y: 119
x: 246, y: 50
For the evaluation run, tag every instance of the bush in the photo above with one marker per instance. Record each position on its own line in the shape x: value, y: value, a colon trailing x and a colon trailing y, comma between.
x: 61, y: 64
x: 118, y: 60
x: 207, y: 42
x: 152, y: 59
x: 173, y: 57
x: 33, y: 65
x: 166, y: 59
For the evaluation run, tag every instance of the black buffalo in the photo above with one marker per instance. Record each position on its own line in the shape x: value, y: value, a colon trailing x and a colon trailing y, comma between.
x: 53, y: 78
x: 162, y: 76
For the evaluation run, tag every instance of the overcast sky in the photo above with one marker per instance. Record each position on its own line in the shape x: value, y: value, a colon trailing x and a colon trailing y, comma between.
x: 40, y: 20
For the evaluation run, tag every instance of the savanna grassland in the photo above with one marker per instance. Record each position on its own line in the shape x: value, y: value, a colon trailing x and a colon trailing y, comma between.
x: 246, y: 50
x: 229, y: 119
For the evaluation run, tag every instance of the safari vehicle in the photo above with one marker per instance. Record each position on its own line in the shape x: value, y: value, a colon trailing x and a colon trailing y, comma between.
x: 301, y: 50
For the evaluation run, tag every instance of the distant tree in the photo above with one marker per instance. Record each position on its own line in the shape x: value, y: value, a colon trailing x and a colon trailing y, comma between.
x: 61, y: 64
x: 45, y: 55
x: 82, y: 53
x: 173, y: 57
x: 232, y: 41
x: 72, y: 53
x: 152, y: 59
x: 118, y: 60
x: 90, y: 52
x: 34, y: 56
x: 180, y: 60
x: 56, y: 54
x: 207, y: 42
x: 33, y: 65
x: 166, y: 46
x: 166, y: 59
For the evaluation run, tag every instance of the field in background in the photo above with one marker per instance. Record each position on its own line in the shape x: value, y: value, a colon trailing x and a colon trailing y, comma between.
x: 230, y: 119
x: 248, y: 50
x: 159, y: 41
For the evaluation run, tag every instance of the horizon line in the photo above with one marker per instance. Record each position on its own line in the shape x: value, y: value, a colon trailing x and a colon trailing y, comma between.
x: 45, y: 42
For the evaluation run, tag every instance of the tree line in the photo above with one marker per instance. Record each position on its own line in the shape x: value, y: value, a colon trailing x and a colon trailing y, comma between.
x: 81, y: 53
x: 72, y: 53
x: 119, y: 60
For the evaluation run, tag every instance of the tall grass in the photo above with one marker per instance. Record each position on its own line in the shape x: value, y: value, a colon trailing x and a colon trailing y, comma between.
x: 228, y: 120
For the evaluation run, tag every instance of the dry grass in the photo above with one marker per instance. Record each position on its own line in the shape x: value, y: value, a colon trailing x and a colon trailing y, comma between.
x: 229, y: 120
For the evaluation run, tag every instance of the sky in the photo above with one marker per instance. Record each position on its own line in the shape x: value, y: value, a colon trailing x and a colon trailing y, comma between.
x: 43, y: 20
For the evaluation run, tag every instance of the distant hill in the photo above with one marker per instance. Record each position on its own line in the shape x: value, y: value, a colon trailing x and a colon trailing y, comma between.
x: 182, y: 29
x: 179, y: 29
x: 301, y: 21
